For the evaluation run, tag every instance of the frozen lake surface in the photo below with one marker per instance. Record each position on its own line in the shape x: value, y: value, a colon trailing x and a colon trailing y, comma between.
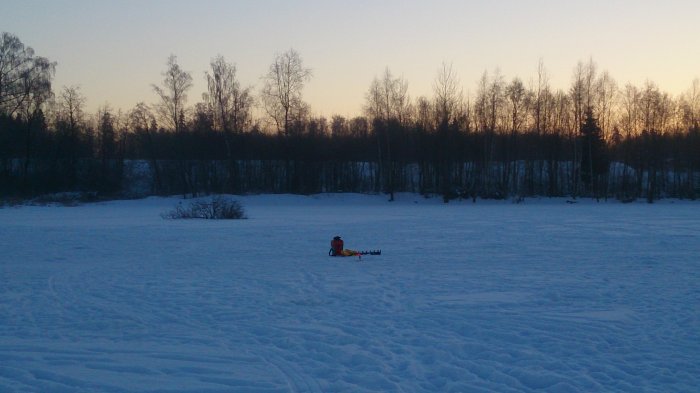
x: 492, y: 296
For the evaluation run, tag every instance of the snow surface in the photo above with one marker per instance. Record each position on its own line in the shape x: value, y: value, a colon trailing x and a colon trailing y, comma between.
x: 493, y: 296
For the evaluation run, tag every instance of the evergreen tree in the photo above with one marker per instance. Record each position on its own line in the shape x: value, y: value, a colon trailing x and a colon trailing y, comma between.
x: 594, y: 158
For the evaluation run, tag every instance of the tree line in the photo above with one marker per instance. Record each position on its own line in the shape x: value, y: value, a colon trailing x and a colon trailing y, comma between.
x: 510, y: 139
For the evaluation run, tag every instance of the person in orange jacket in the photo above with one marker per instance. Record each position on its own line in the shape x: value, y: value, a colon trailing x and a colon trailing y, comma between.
x: 337, y: 249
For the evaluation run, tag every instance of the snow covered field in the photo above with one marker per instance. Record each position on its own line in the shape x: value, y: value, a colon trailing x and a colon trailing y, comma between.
x: 492, y: 296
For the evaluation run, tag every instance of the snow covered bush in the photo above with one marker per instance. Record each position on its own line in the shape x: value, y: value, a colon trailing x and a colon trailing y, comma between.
x: 219, y: 208
x: 64, y: 199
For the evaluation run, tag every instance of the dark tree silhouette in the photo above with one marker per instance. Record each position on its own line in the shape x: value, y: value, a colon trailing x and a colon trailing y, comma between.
x: 173, y: 95
x: 594, y: 157
x: 509, y: 140
x: 230, y: 106
x: 282, y: 88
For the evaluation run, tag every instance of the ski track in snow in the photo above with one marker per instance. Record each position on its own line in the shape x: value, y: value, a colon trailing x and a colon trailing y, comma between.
x: 492, y: 296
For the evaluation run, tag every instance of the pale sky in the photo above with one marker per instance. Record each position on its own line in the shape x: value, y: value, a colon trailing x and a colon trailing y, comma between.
x: 115, y: 49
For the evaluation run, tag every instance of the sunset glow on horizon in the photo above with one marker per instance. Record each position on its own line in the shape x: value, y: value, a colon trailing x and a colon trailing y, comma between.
x: 115, y: 50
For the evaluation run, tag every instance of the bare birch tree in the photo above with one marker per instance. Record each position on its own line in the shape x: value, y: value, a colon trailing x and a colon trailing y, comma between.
x: 173, y: 95
x: 282, y: 89
x: 607, y: 92
x: 690, y: 106
x: 230, y: 102
x: 25, y: 79
x: 387, y: 98
x: 231, y: 107
x: 448, y: 95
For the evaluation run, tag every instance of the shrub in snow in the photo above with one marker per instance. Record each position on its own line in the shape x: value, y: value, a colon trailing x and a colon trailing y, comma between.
x: 64, y: 199
x: 219, y: 208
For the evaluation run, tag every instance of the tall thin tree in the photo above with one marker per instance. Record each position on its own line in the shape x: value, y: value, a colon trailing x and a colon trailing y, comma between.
x: 282, y: 89
x: 173, y: 94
